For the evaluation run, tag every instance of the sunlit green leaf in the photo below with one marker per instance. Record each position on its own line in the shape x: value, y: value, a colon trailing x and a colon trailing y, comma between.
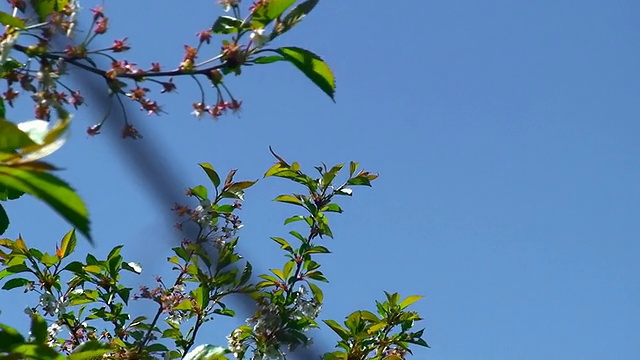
x: 89, y: 350
x: 312, y: 66
x: 200, y: 191
x: 44, y: 8
x: 410, y: 300
x: 6, y: 19
x: 293, y: 219
x: 268, y: 12
x: 35, y: 351
x: 68, y: 244
x: 49, y: 260
x: 284, y: 244
x: 288, y: 199
x: 317, y: 292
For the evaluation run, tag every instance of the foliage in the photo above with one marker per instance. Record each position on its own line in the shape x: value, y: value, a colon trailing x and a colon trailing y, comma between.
x: 82, y: 308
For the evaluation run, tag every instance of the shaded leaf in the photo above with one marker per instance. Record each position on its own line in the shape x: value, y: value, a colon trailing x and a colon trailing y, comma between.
x: 268, y: 59
x: 4, y: 220
x: 343, y: 333
x: 293, y: 17
x: 53, y: 191
x: 226, y: 25
x: 38, y: 328
x: 12, y: 138
x: 15, y: 283
x: 213, y: 176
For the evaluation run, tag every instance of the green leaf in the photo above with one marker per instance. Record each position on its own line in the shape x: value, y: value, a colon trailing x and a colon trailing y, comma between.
x: 294, y: 17
x: 115, y: 252
x: 213, y: 176
x: 6, y: 19
x: 343, y: 333
x: 74, y: 266
x: 333, y: 207
x: 317, y: 249
x: 288, y: 269
x: 38, y: 328
x: 156, y: 347
x: 200, y: 191
x: 15, y: 283
x: 9, y: 193
x: 265, y: 14
x: 293, y: 219
x: 4, y: 220
x: 227, y: 25
x: 12, y: 270
x: 368, y: 315
x: 12, y: 138
x: 89, y: 350
x: 95, y: 269
x: 359, y: 180
x: 68, y: 244
x: 318, y: 295
x: 268, y: 59
x: 49, y: 260
x: 316, y: 275
x: 284, y: 244
x: 9, y: 338
x: 36, y: 351
x: 44, y: 8
x: 2, y: 107
x: 224, y: 209
x: 240, y: 185
x: 288, y: 199
x: 410, y: 300
x: 53, y: 191
x: 246, y: 273
x: 201, y: 296
x: 312, y: 66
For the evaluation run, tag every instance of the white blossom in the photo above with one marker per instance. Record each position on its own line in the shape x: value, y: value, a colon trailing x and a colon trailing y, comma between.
x: 258, y: 38
x: 6, y: 45
x: 228, y: 4
x: 52, y: 333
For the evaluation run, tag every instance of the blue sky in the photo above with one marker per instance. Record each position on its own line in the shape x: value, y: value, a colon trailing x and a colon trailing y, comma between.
x: 505, y: 135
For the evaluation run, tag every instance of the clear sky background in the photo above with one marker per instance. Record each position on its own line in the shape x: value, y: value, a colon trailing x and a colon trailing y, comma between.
x: 505, y: 134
